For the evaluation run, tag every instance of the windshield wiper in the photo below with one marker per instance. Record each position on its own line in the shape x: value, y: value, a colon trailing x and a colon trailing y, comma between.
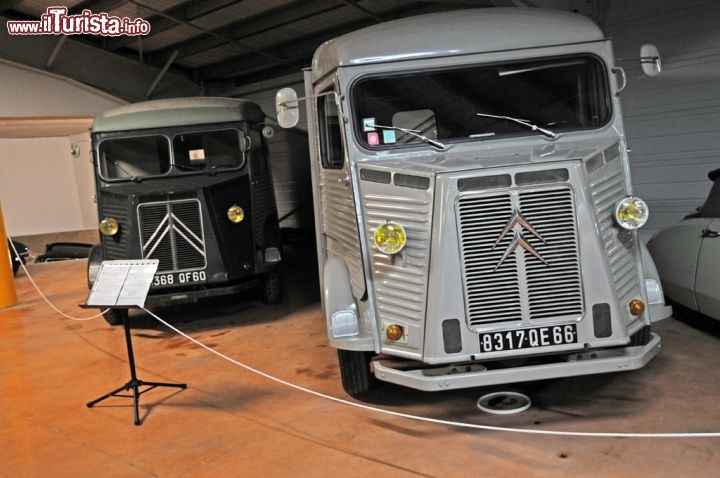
x: 132, y: 178
x: 415, y: 133
x: 533, y: 127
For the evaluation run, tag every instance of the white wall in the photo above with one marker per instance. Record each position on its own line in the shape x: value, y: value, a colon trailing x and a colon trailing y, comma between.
x: 43, y: 188
x: 29, y: 92
x: 38, y: 186
x: 673, y: 120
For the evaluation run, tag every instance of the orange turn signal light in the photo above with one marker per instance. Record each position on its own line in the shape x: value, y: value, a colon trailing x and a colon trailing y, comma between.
x: 637, y: 307
x: 394, y: 332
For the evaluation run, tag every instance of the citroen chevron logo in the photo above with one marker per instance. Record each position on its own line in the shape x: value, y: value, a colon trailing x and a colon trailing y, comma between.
x: 172, y: 223
x: 518, y: 239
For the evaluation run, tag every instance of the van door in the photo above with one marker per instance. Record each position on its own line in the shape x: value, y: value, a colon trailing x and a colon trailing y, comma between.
x: 337, y: 199
x: 707, y: 280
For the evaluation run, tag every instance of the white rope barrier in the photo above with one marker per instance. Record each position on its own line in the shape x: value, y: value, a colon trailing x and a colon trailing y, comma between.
x: 369, y: 408
x: 425, y: 419
x: 22, y: 265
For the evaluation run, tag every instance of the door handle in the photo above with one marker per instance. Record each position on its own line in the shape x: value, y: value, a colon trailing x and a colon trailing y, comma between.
x: 345, y: 179
x: 710, y: 233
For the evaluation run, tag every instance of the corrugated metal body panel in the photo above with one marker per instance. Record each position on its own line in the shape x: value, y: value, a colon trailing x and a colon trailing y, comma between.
x: 671, y: 120
x: 400, y: 280
x: 607, y: 186
x: 340, y: 225
x: 289, y: 156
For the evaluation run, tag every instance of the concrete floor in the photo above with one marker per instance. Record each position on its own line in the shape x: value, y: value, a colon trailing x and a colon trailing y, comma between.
x: 230, y: 422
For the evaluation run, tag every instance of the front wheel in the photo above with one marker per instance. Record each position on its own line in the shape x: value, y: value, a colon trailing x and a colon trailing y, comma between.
x: 641, y: 337
x: 115, y: 316
x: 357, y: 378
x: 272, y: 291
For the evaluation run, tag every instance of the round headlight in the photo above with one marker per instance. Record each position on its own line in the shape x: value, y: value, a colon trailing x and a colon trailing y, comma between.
x: 235, y: 213
x: 631, y: 213
x: 109, y: 226
x: 390, y: 238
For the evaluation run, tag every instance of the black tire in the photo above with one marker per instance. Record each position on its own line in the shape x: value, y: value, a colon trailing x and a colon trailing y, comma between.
x: 357, y: 378
x: 272, y: 290
x: 641, y: 337
x: 14, y: 258
x: 115, y: 316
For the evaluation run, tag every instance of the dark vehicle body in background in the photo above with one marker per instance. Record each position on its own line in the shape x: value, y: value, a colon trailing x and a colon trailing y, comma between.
x: 187, y: 181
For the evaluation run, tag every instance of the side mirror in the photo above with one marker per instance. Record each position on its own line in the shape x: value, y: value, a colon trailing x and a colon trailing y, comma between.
x: 650, y: 60
x: 286, y: 107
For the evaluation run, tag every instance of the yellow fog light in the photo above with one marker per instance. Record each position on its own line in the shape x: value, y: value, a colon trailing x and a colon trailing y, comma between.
x: 631, y: 213
x: 394, y: 332
x: 235, y: 213
x: 109, y: 226
x: 637, y: 307
x: 390, y: 238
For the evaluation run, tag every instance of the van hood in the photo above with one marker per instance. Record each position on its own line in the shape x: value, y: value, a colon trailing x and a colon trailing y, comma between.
x: 460, y: 158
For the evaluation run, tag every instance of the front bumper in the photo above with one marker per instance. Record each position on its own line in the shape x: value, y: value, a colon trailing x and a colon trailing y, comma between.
x: 475, y: 375
x: 161, y: 299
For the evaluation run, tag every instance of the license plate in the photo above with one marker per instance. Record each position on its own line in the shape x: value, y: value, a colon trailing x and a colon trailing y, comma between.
x: 179, y: 278
x: 528, y: 338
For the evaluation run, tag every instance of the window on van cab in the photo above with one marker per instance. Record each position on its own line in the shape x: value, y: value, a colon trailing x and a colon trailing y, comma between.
x: 558, y: 94
x: 331, y: 150
x: 208, y: 150
x: 135, y: 157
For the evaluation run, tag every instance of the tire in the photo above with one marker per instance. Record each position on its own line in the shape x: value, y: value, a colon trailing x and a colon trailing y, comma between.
x: 272, y: 290
x: 95, y: 258
x: 115, y: 316
x: 641, y: 337
x: 357, y: 378
x: 16, y: 260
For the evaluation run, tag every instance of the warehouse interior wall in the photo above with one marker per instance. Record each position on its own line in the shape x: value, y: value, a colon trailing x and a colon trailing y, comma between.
x: 672, y: 120
x: 44, y: 187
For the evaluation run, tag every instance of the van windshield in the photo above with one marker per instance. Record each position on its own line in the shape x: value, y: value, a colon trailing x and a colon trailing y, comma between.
x: 481, y: 102
x: 140, y: 157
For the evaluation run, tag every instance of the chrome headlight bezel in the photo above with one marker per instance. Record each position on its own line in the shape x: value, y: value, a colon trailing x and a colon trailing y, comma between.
x: 390, y: 238
x: 109, y: 227
x: 631, y: 213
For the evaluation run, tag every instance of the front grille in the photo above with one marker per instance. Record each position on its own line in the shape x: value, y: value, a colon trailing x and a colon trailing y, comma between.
x: 503, y: 278
x: 172, y: 232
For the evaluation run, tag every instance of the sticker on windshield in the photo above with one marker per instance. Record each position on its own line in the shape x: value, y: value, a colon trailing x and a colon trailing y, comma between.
x: 368, y: 124
x: 388, y: 136
x: 373, y: 139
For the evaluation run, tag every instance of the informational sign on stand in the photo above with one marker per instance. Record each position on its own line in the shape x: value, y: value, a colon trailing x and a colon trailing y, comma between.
x: 122, y: 283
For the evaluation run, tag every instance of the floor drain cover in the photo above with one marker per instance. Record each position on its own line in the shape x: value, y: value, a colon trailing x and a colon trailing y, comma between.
x: 503, y: 403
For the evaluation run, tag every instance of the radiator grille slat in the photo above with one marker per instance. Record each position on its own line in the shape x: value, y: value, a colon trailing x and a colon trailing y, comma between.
x: 172, y: 232
x: 504, y: 284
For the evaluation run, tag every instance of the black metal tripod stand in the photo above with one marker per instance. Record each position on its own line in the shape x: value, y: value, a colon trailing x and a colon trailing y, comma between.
x: 134, y: 384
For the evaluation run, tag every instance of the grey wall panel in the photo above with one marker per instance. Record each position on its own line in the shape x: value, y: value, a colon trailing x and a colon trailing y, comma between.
x: 672, y: 121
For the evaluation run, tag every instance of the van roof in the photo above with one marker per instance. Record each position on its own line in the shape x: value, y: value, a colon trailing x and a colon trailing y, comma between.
x: 176, y: 112
x: 456, y: 32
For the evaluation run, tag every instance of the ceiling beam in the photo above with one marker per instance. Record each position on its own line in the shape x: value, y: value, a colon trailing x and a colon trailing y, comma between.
x: 177, y: 15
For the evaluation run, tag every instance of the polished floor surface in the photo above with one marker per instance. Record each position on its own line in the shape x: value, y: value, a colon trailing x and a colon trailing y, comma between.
x: 232, y: 422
